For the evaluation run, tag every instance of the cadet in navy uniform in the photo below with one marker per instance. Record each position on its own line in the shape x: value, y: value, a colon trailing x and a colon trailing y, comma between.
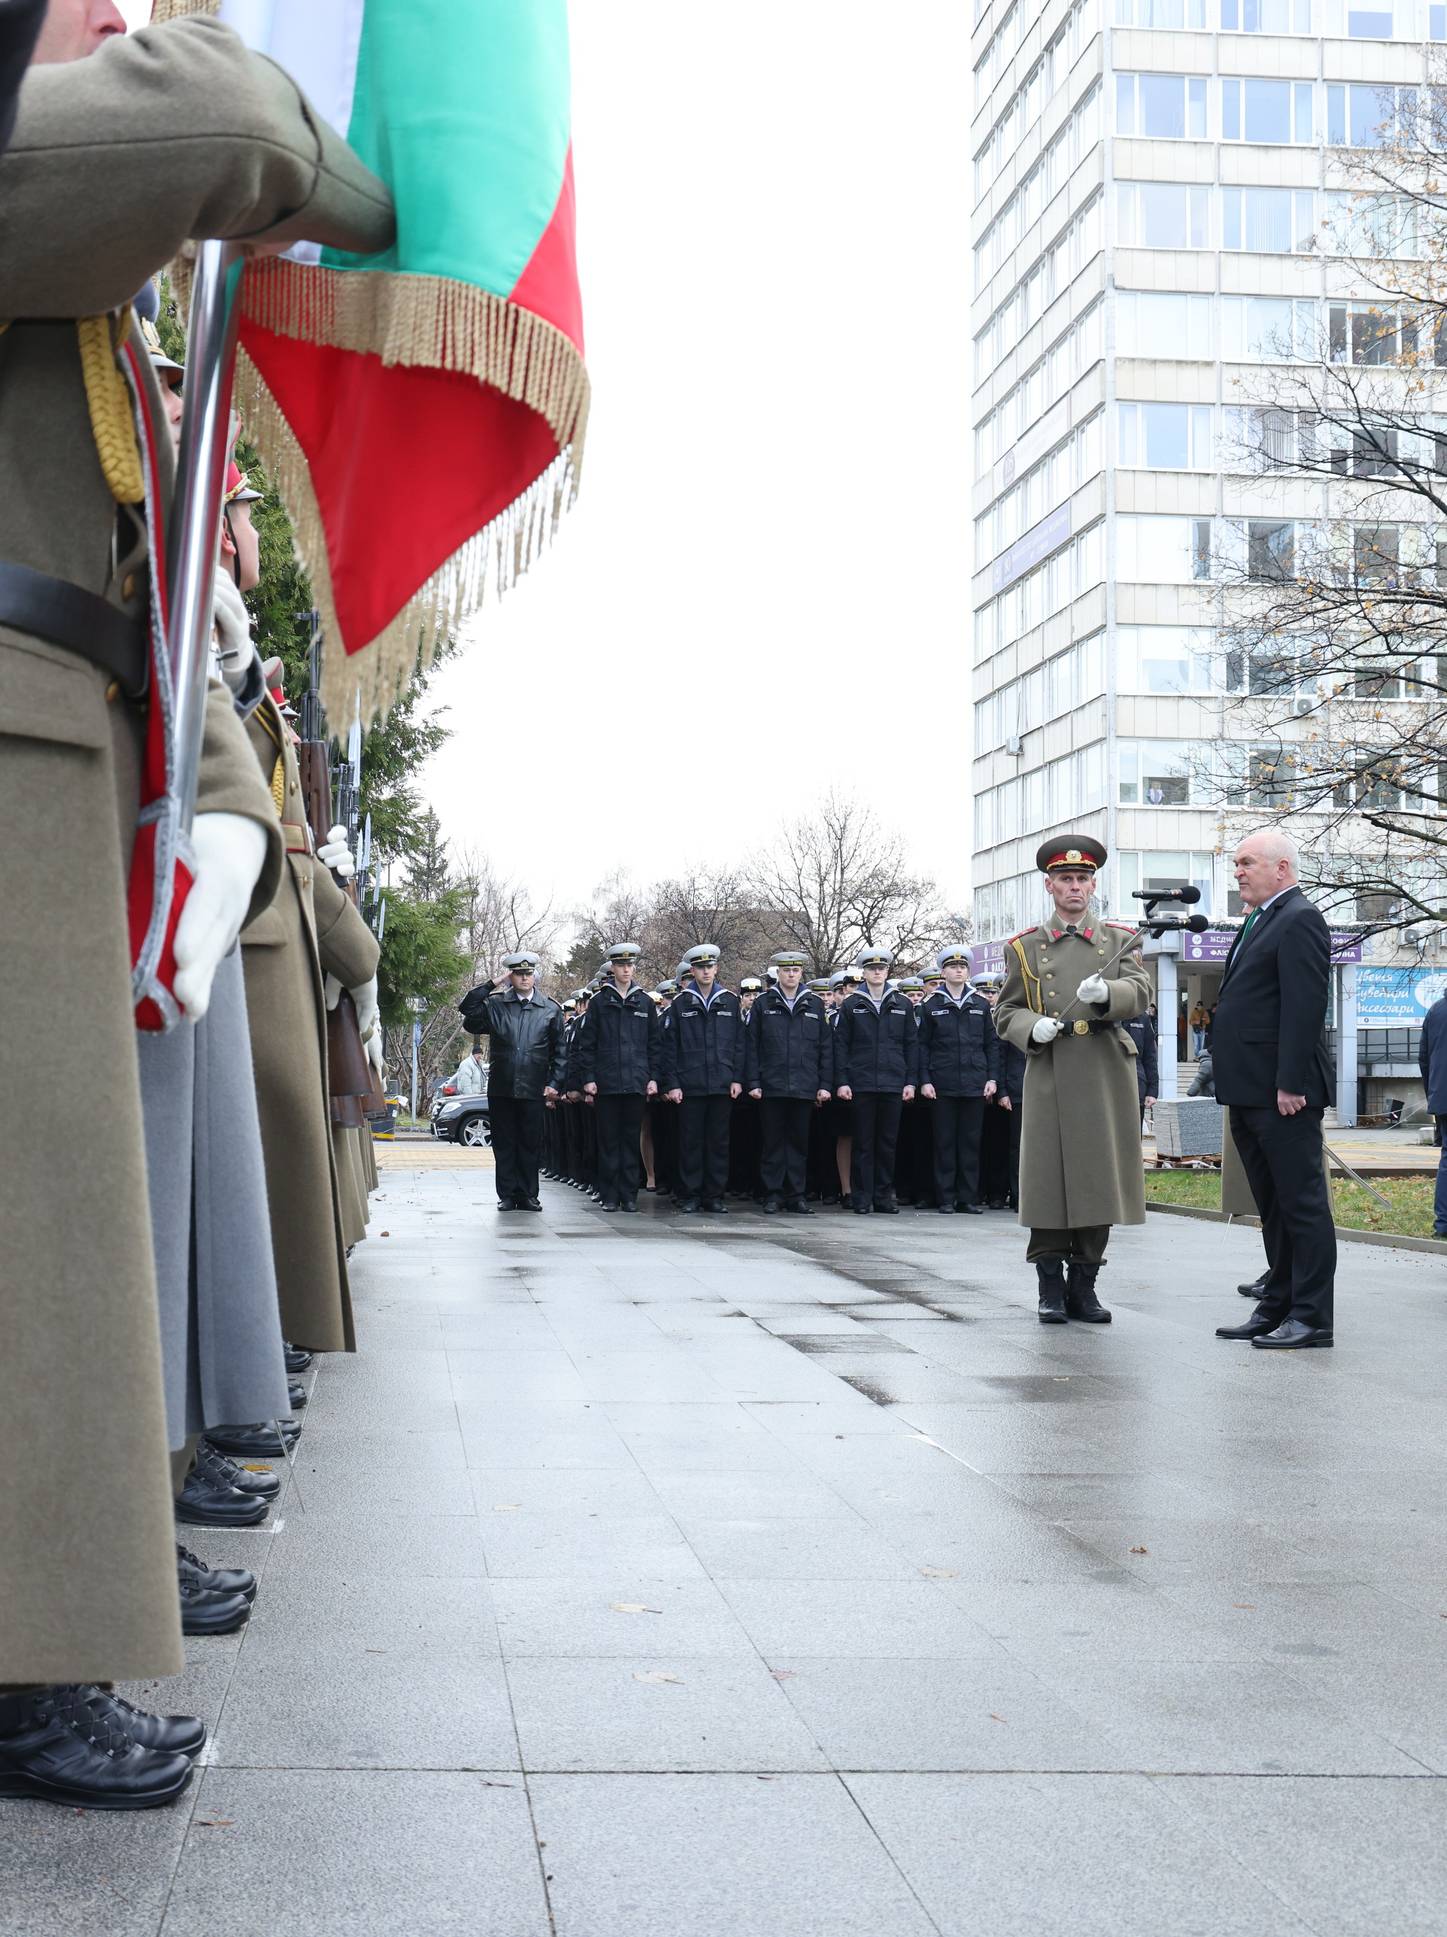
x: 959, y: 1072
x: 788, y: 1065
x: 703, y: 1066
x: 617, y: 1066
x: 1142, y: 1032
x: 876, y: 1064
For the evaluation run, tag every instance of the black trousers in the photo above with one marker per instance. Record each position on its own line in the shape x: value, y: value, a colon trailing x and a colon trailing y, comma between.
x: 517, y: 1142
x: 745, y: 1146
x: 620, y: 1160
x: 876, y: 1134
x: 959, y: 1127
x: 1282, y: 1158
x: 664, y: 1118
x: 785, y: 1122
x: 703, y: 1145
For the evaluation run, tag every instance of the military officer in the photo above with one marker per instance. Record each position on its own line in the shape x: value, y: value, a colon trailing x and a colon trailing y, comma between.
x: 525, y: 1074
x: 788, y: 1068
x: 703, y: 1064
x: 876, y: 1065
x: 959, y: 1070
x: 1070, y: 986
x: 617, y: 1067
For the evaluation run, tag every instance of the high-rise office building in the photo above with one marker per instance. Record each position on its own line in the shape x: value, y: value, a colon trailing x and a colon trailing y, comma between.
x: 1156, y: 188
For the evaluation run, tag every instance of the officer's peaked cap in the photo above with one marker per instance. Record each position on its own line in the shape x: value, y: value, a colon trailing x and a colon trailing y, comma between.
x: 703, y: 954
x: 624, y: 952
x: 789, y: 958
x: 952, y: 952
x: 525, y: 960
x: 875, y: 958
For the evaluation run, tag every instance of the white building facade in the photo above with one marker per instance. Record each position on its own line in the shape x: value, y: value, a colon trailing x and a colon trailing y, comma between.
x: 1154, y: 183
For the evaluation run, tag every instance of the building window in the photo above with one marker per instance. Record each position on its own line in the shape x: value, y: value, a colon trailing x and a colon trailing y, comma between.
x: 1160, y: 324
x: 1261, y: 776
x: 1165, y: 659
x: 1163, y: 215
x: 1277, y: 112
x: 1162, y: 868
x: 1350, y: 21
x: 1268, y: 221
x: 1383, y: 227
x: 1165, y: 437
x: 1165, y: 107
x: 1154, y: 550
x: 1437, y: 22
x: 1360, y: 114
x: 1271, y: 549
x: 1160, y: 13
x: 1376, y: 554
x: 1273, y: 329
x: 1155, y: 773
x: 1266, y: 16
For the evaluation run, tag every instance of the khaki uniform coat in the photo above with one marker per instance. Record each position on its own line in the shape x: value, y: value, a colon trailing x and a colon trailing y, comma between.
x: 115, y: 161
x: 1080, y: 1142
x: 312, y: 928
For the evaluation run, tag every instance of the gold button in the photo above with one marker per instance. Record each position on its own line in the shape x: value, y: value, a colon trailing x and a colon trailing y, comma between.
x: 1100, y: 951
x: 291, y: 787
x: 113, y: 692
x: 128, y: 586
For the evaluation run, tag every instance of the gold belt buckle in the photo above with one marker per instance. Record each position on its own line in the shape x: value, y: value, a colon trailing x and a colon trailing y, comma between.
x: 1081, y: 1028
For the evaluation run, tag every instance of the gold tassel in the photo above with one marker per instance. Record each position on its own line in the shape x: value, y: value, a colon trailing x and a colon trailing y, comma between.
x: 111, y: 422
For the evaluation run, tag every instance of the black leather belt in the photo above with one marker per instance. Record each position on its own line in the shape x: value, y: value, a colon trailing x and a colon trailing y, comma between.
x: 78, y: 621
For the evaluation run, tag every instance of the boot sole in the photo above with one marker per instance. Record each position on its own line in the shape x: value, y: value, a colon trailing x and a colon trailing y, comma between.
x: 218, y: 1627
x: 1090, y: 1318
x: 190, y: 1518
x: 36, y: 1789
x: 1052, y: 1318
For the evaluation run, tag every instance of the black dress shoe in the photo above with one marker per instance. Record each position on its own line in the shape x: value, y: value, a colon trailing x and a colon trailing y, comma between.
x: 996, y: 1204
x: 224, y: 1472
x: 1254, y: 1327
x: 530, y: 1204
x: 715, y: 1205
x: 204, y: 1611
x: 297, y: 1360
x: 166, y: 1734
x: 801, y: 1207
x: 507, y: 1204
x: 215, y: 1580
x: 771, y: 1207
x: 296, y: 1394
x: 624, y: 1204
x: 688, y: 1205
x: 861, y: 1210
x: 55, y: 1748
x: 608, y: 1203
x: 945, y: 1210
x: 201, y: 1503
x: 971, y: 1210
x: 1291, y: 1335
x: 887, y: 1207
x: 255, y: 1442
x: 1255, y: 1288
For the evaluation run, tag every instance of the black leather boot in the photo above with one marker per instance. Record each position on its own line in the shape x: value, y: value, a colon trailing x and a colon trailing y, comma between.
x: 1050, y: 1273
x: 165, y: 1734
x: 205, y: 1502
x: 297, y: 1394
x: 256, y: 1441
x: 55, y: 1746
x: 1080, y: 1299
x: 222, y: 1471
x: 215, y: 1580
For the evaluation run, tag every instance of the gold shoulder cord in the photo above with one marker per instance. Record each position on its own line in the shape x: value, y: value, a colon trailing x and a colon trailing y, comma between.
x: 278, y: 785
x: 106, y: 392
x: 1032, y: 981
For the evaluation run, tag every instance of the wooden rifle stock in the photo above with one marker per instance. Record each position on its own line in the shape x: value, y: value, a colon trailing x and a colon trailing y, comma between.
x: 350, y: 1077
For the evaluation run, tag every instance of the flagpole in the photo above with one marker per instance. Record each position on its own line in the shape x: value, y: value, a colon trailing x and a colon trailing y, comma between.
x: 200, y: 481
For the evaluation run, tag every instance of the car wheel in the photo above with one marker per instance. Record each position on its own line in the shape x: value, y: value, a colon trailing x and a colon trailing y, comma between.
x: 474, y: 1132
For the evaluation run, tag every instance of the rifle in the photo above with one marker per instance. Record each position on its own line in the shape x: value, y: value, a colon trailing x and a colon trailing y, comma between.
x: 350, y: 1078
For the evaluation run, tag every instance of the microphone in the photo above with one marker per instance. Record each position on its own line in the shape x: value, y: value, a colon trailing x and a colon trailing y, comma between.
x: 1198, y: 924
x: 1186, y: 893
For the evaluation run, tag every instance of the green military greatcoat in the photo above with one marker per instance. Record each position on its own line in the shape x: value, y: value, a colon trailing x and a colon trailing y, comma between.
x: 1080, y: 1146
x: 116, y: 160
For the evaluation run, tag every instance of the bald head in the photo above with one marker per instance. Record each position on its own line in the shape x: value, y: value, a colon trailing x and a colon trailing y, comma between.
x: 1265, y: 862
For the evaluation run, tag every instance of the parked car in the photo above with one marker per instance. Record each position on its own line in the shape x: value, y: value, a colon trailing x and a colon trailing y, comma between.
x: 439, y: 1097
x: 463, y: 1119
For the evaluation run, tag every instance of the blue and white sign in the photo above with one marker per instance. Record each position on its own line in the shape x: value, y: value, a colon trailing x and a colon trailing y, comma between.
x: 1397, y: 998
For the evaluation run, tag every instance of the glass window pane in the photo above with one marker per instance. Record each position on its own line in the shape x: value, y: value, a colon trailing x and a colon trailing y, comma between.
x: 1336, y: 132
x: 1162, y: 206
x: 1162, y: 105
x: 1125, y: 104
x: 1230, y: 110
x: 1268, y: 110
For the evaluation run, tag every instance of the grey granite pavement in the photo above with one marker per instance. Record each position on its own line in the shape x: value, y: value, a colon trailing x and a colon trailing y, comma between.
x: 729, y: 1576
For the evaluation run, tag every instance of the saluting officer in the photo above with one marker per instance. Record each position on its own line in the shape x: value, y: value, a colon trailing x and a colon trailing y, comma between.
x: 617, y: 1066
x: 1069, y: 989
x: 959, y: 1070
x: 526, y: 1072
x: 788, y: 1068
x: 703, y: 1066
x: 876, y: 1065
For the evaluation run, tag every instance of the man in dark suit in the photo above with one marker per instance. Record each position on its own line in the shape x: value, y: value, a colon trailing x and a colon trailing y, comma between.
x: 1432, y: 1061
x: 1272, y: 1070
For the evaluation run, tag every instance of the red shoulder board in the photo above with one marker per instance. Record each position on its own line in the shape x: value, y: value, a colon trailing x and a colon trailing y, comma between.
x: 1023, y: 933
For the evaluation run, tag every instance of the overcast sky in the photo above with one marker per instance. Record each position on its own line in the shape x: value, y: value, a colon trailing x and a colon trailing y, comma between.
x: 763, y: 588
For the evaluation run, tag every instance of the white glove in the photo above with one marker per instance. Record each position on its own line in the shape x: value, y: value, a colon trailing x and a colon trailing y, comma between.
x: 365, y: 997
x: 335, y: 854
x: 233, y: 630
x: 230, y: 851
x: 1045, y: 1030
x: 331, y: 992
x: 373, y: 1047
x: 1093, y: 989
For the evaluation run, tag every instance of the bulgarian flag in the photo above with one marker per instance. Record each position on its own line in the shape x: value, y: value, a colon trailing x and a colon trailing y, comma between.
x: 422, y: 412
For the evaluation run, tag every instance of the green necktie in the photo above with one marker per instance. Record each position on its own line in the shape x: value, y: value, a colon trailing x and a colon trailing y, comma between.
x: 1246, y: 926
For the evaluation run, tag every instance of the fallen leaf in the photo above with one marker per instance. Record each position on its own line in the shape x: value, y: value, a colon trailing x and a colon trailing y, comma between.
x: 384, y: 1234
x: 939, y: 1573
x: 374, y: 1651
x: 1140, y: 1550
x: 215, y: 1822
x: 783, y: 1674
x: 634, y: 1607
x: 656, y: 1675
x: 997, y: 1718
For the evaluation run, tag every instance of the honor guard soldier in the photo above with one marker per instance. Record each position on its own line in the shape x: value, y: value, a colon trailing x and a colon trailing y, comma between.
x: 788, y: 1067
x: 525, y: 1072
x: 703, y: 1062
x: 876, y: 1062
x: 959, y: 1071
x: 617, y: 1067
x: 1070, y: 987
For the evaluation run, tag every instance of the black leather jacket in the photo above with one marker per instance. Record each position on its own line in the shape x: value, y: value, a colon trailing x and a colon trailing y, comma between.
x: 527, y: 1039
